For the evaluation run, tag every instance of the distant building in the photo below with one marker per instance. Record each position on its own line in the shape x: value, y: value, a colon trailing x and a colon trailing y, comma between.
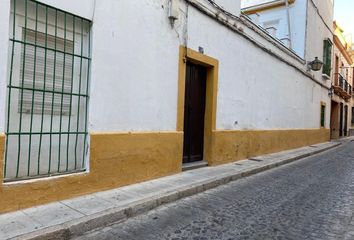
x: 342, y: 84
x: 287, y: 20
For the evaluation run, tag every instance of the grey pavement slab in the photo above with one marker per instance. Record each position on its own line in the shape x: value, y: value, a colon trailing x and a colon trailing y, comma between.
x: 75, y: 216
x: 88, y: 204
x: 300, y: 152
x: 150, y: 188
x: 17, y: 223
x: 247, y: 162
x: 323, y: 145
x: 52, y: 214
x: 117, y: 197
x: 285, y: 154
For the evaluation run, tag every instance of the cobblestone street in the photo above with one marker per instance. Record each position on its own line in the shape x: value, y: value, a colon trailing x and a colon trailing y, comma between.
x: 309, y: 199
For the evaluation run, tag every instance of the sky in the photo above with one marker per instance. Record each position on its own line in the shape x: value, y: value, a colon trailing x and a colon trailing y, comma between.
x: 344, y: 14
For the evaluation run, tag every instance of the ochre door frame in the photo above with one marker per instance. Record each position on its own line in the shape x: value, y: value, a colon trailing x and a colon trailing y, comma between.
x: 212, y: 65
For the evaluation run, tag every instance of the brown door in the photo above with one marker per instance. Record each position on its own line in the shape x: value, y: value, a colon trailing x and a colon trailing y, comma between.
x: 341, y: 110
x: 346, y: 120
x: 334, y: 120
x: 336, y: 67
x: 194, y: 112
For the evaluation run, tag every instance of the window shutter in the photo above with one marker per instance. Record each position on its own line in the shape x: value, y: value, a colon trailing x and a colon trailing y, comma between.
x: 34, y: 78
x: 327, y: 57
x: 324, y: 69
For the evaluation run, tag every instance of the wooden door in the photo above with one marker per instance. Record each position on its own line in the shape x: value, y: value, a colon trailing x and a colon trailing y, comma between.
x: 341, y: 120
x: 334, y: 120
x: 346, y: 120
x: 194, y: 113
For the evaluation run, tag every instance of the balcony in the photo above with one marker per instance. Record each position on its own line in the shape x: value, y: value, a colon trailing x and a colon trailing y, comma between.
x: 341, y: 87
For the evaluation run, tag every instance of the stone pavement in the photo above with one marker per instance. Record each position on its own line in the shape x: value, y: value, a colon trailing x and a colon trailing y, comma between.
x: 308, y: 199
x: 74, y: 217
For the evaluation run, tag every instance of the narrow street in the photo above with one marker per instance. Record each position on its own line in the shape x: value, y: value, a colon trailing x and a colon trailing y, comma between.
x: 312, y: 198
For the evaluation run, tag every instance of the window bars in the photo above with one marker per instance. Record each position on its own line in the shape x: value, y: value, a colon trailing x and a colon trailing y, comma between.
x: 48, y: 92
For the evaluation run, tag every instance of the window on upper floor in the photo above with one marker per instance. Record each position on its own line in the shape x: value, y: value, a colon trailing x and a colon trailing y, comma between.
x: 327, y: 57
x: 271, y: 27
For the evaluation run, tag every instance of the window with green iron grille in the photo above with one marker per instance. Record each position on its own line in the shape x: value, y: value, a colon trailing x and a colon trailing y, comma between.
x: 48, y: 92
x: 327, y: 57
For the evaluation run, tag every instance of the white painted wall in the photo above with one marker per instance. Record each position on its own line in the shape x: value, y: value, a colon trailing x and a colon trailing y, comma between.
x: 311, y: 23
x: 317, y: 31
x: 135, y: 69
x: 255, y: 89
x: 325, y: 9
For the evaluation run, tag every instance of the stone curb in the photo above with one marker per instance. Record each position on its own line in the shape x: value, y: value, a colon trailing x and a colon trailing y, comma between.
x: 80, y: 226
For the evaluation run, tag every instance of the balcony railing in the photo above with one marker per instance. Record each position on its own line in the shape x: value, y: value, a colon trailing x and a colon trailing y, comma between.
x: 342, y: 87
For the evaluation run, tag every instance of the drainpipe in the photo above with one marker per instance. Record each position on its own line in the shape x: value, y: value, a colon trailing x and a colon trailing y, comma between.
x: 289, y: 27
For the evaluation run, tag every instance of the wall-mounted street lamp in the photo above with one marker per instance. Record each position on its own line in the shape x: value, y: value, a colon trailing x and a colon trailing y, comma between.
x: 315, y: 65
x: 331, y: 92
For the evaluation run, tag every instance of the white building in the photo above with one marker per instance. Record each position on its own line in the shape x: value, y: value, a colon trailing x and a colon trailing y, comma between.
x: 342, y: 84
x: 286, y: 20
x: 143, y: 86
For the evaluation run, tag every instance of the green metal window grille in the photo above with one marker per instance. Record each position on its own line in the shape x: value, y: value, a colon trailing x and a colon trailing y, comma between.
x: 323, y: 115
x: 327, y: 57
x: 47, y: 92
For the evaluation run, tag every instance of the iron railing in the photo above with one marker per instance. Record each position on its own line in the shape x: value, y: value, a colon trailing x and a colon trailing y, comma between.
x: 48, y: 92
x: 340, y: 81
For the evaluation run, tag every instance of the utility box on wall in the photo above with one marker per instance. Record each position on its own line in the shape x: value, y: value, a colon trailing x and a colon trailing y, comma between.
x: 173, y: 10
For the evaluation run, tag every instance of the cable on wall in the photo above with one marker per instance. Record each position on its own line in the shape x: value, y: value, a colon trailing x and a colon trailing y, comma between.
x: 319, y: 14
x: 234, y: 28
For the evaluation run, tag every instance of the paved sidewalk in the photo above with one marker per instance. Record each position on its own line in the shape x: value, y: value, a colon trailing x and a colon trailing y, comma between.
x: 65, y: 219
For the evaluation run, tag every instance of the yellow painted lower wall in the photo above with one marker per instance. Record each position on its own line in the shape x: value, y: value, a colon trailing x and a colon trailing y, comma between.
x: 228, y: 146
x: 115, y: 160
x: 119, y: 159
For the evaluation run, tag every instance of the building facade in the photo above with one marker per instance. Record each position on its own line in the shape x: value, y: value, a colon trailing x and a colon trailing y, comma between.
x: 342, y: 84
x: 284, y: 20
x: 102, y: 94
